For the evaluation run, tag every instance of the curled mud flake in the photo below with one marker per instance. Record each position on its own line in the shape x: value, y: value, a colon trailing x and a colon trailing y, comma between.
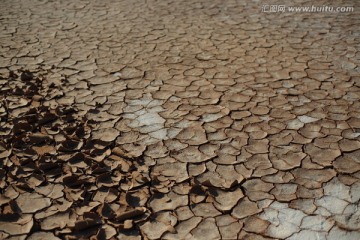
x: 225, y: 159
x: 260, y: 110
x: 5, y: 153
x: 196, y: 169
x: 306, y: 119
x: 295, y: 124
x: 155, y: 230
x: 211, y: 179
x: 285, y: 159
x: 332, y: 204
x: 43, y: 235
x: 22, y: 226
x: 138, y: 198
x: 229, y: 175
x: 32, y: 202
x: 57, y: 221
x: 206, y: 229
x: 310, y: 178
x: 258, y: 162
x: 194, y: 72
x: 132, y: 150
x: 281, y: 75
x: 324, y: 157
x: 46, y: 149
x: 192, y: 136
x: 305, y: 205
x: 163, y: 223
x: 281, y: 139
x: 183, y: 229
x: 245, y: 208
x: 255, y: 224
x: 59, y: 205
x: 347, y: 145
x: 17, y: 102
x: 284, y: 221
x: 109, y: 231
x: 130, y: 73
x: 349, y: 163
x: 134, y: 213
x: 349, y: 220
x: 168, y: 201
x: 107, y: 135
x: 258, y: 146
x: 173, y: 171
x: 256, y: 189
x: 317, y: 223
x: 229, y: 227
x: 205, y: 210
x: 184, y: 213
x: 284, y: 192
x: 226, y: 200
x: 191, y: 155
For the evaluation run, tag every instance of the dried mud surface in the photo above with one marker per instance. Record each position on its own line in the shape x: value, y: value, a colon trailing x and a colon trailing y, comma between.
x: 178, y: 120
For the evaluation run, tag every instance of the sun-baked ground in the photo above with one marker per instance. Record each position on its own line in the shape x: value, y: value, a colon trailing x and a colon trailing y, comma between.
x: 174, y: 119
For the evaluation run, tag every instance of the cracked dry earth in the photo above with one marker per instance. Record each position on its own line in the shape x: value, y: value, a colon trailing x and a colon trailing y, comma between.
x: 175, y: 119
